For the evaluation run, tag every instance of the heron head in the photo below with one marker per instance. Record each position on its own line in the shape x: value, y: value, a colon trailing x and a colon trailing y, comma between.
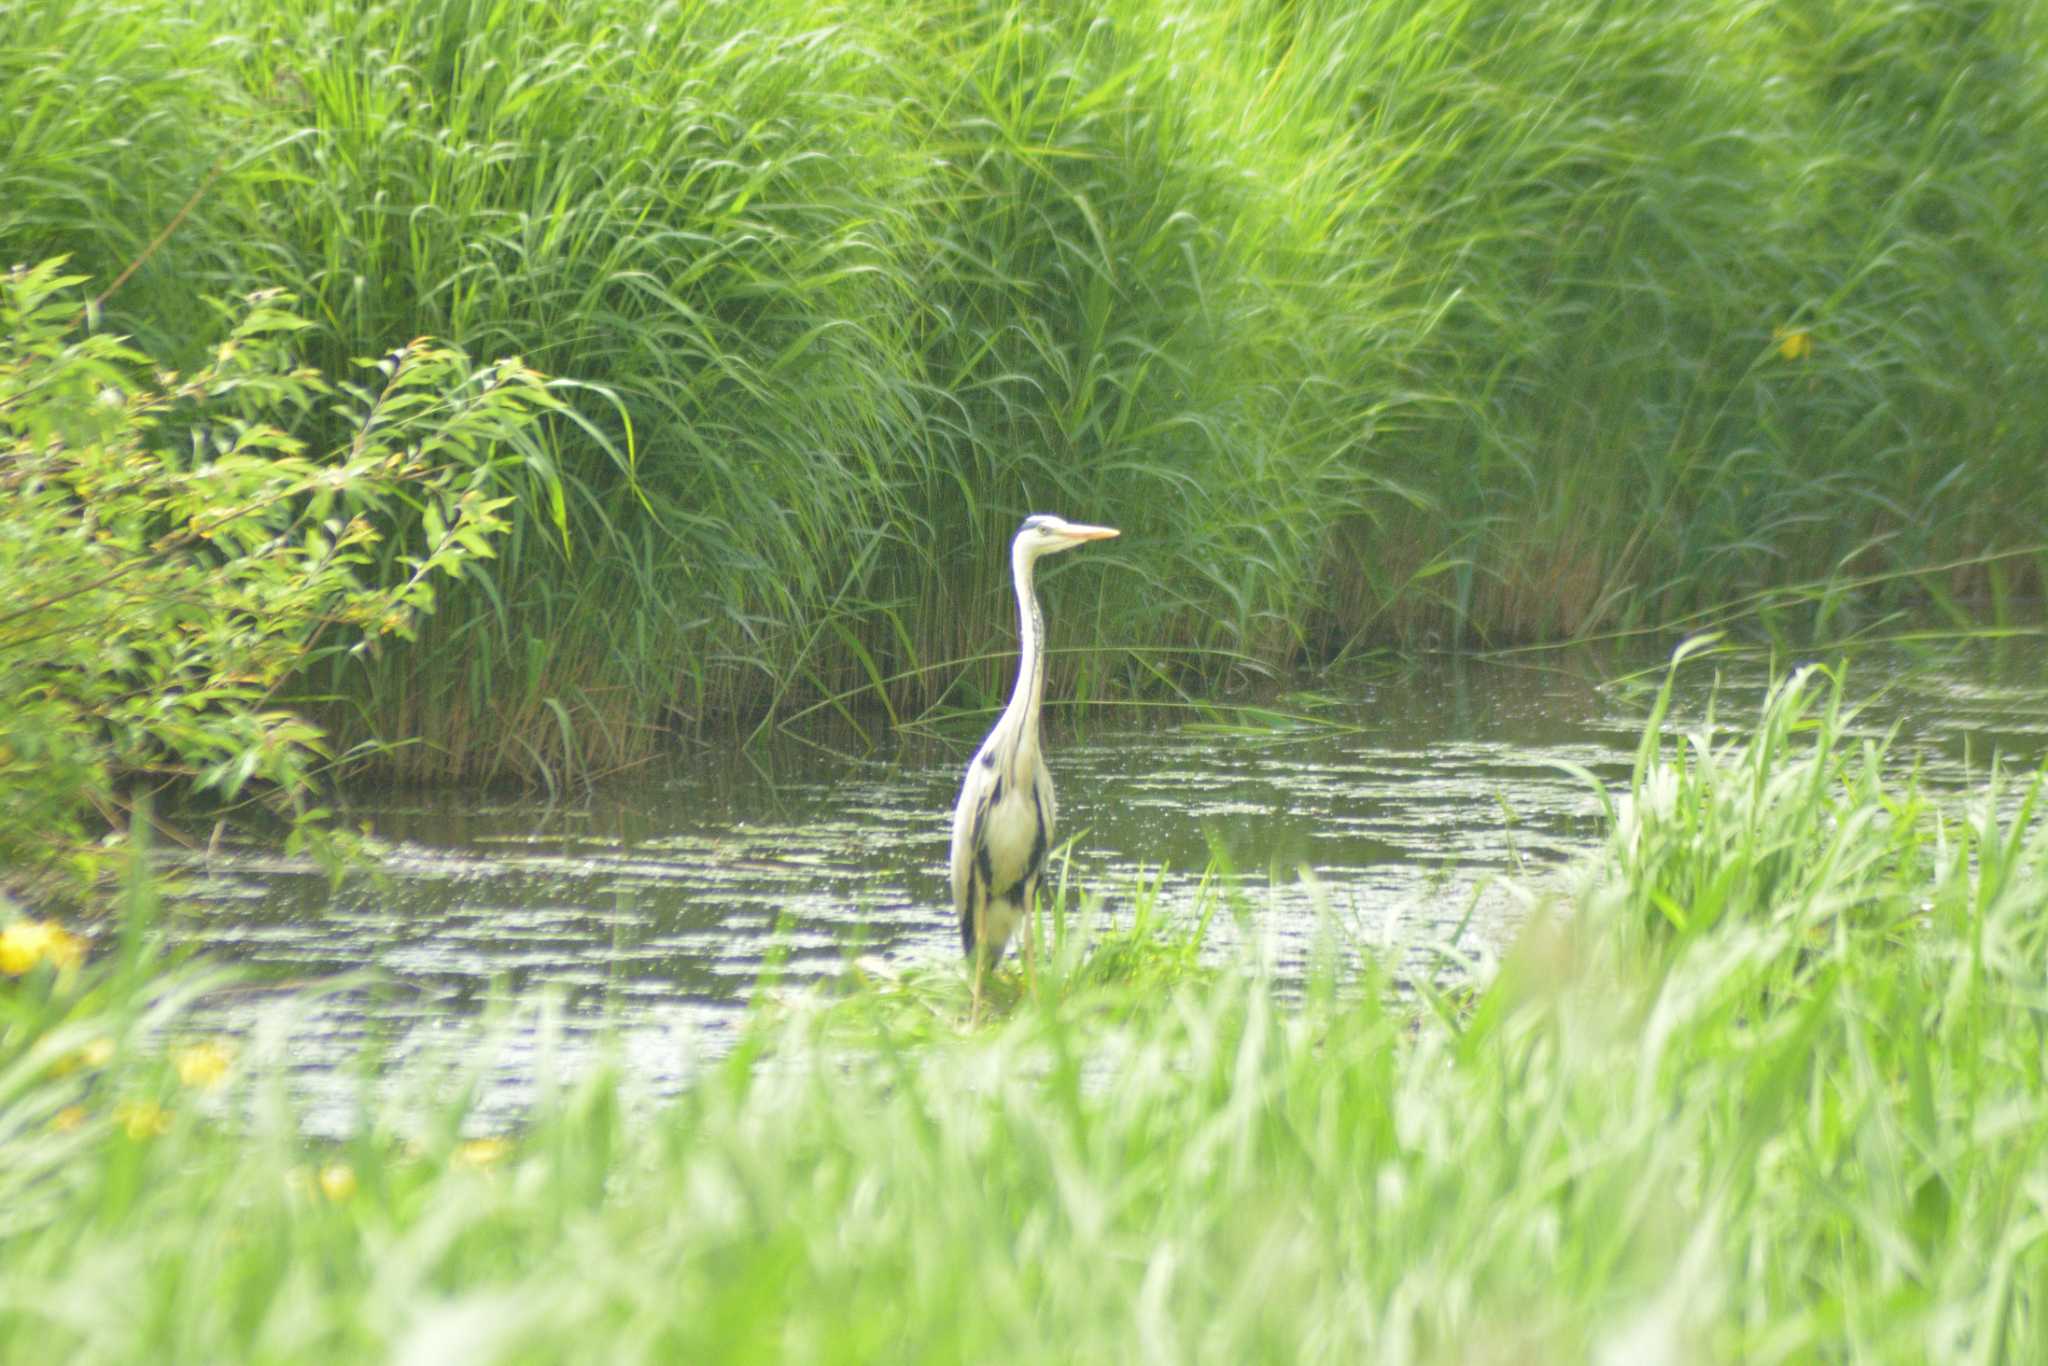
x: 1043, y: 533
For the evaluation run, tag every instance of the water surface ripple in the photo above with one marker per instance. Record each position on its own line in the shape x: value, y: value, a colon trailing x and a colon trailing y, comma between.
x: 647, y: 912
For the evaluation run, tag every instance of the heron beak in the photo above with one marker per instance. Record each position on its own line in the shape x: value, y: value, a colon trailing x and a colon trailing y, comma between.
x: 1089, y: 533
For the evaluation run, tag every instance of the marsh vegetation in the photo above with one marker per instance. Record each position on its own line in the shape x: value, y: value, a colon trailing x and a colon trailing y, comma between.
x: 468, y: 389
x: 1768, y: 1086
x: 1434, y: 323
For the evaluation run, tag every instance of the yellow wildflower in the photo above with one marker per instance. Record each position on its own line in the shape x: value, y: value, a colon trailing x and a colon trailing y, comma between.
x: 481, y: 1152
x: 338, y: 1181
x: 26, y: 943
x: 94, y: 1054
x: 21, y: 946
x: 202, y: 1064
x: 1794, y: 343
x: 68, y: 1119
x: 142, y: 1119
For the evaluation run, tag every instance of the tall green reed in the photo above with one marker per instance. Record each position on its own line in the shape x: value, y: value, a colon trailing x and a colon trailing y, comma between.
x: 1435, y: 322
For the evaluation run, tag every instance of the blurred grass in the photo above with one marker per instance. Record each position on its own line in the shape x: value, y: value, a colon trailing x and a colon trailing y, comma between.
x: 1769, y: 1087
x: 1439, y: 322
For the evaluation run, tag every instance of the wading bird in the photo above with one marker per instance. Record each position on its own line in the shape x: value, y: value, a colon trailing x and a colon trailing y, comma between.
x: 1003, y: 824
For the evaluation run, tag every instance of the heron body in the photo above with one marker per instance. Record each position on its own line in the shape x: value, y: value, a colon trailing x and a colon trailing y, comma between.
x: 1004, y: 822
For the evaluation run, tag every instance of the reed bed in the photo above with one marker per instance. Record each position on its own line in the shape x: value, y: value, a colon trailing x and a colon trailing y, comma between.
x: 1438, y: 322
x: 1768, y: 1087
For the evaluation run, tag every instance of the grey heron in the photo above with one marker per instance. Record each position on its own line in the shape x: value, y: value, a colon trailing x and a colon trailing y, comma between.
x: 1003, y: 824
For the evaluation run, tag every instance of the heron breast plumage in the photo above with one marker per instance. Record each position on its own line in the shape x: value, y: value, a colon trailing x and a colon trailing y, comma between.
x: 1003, y: 829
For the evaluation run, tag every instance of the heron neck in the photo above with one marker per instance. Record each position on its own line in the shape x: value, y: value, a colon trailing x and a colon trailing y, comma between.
x: 1021, y: 716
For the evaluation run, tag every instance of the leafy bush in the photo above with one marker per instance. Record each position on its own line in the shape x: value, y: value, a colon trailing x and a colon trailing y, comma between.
x: 173, y: 557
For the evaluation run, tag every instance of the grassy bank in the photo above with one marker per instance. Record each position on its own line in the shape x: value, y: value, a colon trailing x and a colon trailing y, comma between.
x: 1439, y: 321
x: 1769, y: 1087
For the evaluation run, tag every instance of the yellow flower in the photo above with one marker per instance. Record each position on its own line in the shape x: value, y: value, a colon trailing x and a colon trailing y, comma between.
x: 21, y: 946
x: 68, y: 1119
x: 202, y: 1064
x: 1794, y: 343
x: 94, y: 1054
x: 142, y: 1119
x: 481, y: 1152
x: 26, y: 943
x: 338, y: 1181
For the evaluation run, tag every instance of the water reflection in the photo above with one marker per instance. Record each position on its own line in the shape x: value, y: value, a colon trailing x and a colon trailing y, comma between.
x: 652, y: 906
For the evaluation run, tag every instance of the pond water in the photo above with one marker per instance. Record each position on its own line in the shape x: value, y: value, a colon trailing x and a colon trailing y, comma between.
x: 1396, y: 809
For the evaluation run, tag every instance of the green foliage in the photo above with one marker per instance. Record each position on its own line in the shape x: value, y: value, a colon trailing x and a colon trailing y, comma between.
x: 173, y: 558
x: 1765, y: 826
x: 1809, y: 1124
x: 1087, y: 964
x: 1422, y: 322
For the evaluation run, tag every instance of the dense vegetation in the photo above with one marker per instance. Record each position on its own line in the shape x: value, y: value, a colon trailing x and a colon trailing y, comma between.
x: 171, y: 558
x: 1453, y: 321
x: 1769, y: 1088
x: 1423, y: 321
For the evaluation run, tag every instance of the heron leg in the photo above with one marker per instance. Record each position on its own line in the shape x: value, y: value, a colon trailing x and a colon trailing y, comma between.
x: 1031, y: 941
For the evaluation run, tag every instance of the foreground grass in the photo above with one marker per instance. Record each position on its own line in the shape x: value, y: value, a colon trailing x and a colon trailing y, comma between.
x: 1432, y: 321
x: 1769, y: 1086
